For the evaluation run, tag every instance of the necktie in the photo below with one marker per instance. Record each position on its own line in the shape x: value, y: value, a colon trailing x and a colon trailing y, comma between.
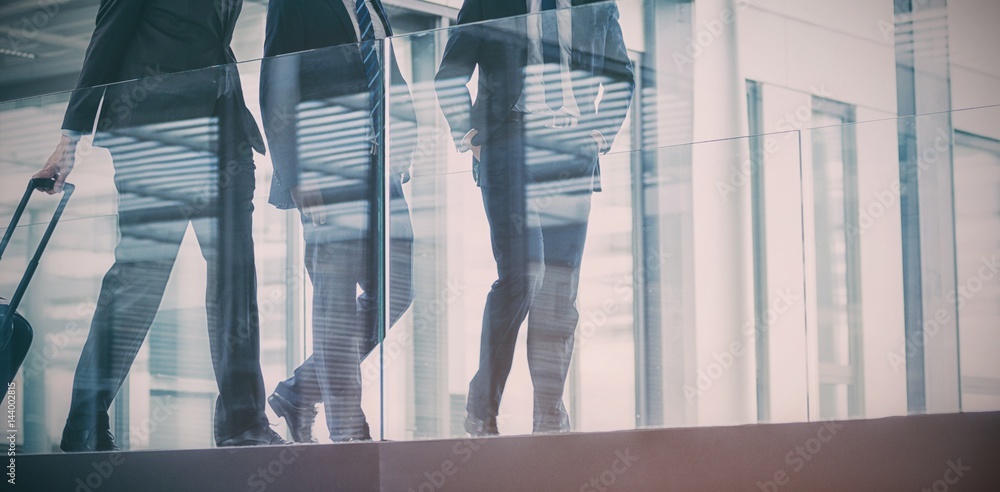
x: 372, y: 65
x: 550, y: 55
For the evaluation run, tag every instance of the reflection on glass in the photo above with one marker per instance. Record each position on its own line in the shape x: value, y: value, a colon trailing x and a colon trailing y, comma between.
x: 182, y: 150
x: 641, y: 300
x: 181, y: 155
x: 323, y: 118
x: 535, y: 132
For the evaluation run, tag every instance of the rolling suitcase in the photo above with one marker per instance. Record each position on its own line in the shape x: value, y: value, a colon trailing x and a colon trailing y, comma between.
x: 15, y: 331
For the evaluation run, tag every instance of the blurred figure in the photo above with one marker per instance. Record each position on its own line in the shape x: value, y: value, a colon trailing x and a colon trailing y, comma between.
x: 535, y: 132
x: 322, y: 117
x: 182, y: 148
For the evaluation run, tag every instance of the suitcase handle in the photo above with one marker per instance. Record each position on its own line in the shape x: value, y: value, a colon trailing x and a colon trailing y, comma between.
x: 44, y: 184
x: 34, y: 184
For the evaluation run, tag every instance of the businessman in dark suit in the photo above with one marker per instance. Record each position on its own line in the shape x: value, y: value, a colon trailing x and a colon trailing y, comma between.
x: 535, y: 131
x: 182, y: 147
x: 321, y: 116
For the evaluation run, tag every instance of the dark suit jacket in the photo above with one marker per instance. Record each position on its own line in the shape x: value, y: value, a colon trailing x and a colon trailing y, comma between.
x: 149, y: 38
x: 500, y: 49
x: 321, y: 62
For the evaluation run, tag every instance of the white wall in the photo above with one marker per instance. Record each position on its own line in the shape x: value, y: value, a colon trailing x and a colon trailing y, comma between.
x: 975, y: 59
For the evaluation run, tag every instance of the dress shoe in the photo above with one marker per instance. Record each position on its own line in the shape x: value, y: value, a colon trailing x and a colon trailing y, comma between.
x: 300, y: 419
x: 553, y: 423
x: 351, y: 439
x: 261, y: 435
x: 80, y: 440
x: 357, y: 436
x: 549, y: 429
x: 481, y: 428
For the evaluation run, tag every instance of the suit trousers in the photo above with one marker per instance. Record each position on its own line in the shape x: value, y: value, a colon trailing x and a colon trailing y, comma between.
x: 537, y: 214
x: 339, y: 259
x: 165, y: 181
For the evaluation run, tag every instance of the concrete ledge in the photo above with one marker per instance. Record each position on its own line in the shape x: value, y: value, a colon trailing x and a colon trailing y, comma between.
x: 933, y: 452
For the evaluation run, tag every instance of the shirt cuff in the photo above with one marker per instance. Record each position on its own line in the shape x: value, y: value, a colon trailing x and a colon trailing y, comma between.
x: 74, y: 134
x: 465, y: 144
x: 602, y: 143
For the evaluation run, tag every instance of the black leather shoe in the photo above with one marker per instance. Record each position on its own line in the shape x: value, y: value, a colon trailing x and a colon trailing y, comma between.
x: 363, y: 435
x: 549, y: 429
x: 351, y: 439
x: 82, y: 440
x: 261, y: 435
x: 553, y: 423
x: 354, y: 439
x: 300, y: 419
x: 480, y: 428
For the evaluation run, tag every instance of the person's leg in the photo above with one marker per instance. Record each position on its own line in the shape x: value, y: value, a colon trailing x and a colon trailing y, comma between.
x: 302, y: 388
x: 339, y: 259
x: 400, y: 272
x: 130, y: 296
x: 516, y: 242
x: 338, y: 335
x: 553, y: 317
x: 226, y: 240
x: 295, y: 398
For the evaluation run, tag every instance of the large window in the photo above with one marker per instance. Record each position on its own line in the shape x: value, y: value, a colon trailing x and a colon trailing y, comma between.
x: 977, y: 233
x: 834, y: 166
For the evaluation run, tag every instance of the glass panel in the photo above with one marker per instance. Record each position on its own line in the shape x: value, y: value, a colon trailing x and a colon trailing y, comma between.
x: 538, y: 216
x: 851, y: 199
x: 168, y: 182
x: 732, y: 336
x: 661, y: 284
x: 835, y: 185
x: 977, y: 232
x: 865, y: 359
x: 453, y: 238
x: 317, y: 117
x: 652, y: 307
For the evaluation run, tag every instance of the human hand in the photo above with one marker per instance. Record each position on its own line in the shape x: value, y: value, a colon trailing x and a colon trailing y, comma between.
x: 309, y: 201
x: 599, y: 140
x: 60, y: 164
x: 467, y: 141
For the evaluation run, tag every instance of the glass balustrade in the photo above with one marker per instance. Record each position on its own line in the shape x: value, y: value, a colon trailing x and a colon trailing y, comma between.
x: 594, y: 265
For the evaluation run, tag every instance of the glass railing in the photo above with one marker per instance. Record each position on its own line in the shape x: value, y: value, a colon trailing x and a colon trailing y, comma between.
x: 664, y: 335
x: 157, y: 195
x: 663, y: 283
x: 901, y: 250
